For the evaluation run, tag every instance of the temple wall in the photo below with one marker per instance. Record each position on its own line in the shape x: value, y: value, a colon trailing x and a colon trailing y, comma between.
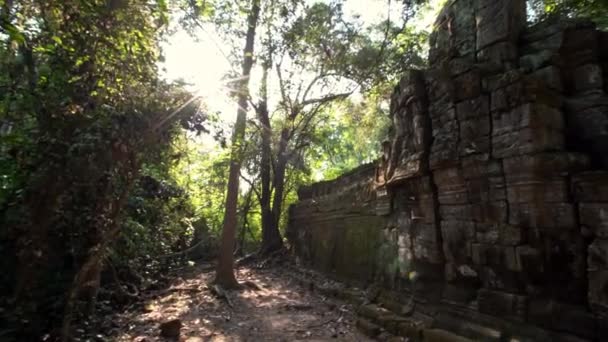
x: 492, y: 195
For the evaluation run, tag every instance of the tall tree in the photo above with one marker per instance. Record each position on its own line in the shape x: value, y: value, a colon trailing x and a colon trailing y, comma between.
x: 80, y: 85
x: 225, y: 267
x: 318, y: 57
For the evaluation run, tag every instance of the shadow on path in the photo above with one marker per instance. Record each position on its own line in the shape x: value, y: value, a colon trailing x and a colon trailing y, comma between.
x: 280, y: 310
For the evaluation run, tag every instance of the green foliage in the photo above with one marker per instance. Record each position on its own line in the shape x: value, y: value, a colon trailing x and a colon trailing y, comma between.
x: 350, y: 135
x: 594, y: 10
x: 83, y: 113
x: 203, y: 174
x: 323, y: 40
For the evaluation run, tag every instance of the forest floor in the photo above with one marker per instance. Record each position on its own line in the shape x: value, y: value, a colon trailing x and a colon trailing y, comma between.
x: 276, y: 306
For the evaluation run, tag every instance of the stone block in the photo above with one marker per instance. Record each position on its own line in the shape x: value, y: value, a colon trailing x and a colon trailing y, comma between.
x: 563, y: 275
x: 500, y: 53
x: 456, y: 212
x: 490, y: 189
x: 527, y: 141
x: 444, y: 151
x: 587, y: 117
x: 580, y: 45
x: 487, y: 254
x: 528, y: 90
x: 459, y: 293
x: 593, y: 218
x: 562, y: 317
x: 551, y: 42
x: 413, y: 190
x: 492, y: 212
x: 426, y: 245
x: 602, y: 322
x: 586, y: 77
x: 438, y: 335
x: 440, y: 118
x: 440, y: 89
x: 474, y: 136
x: 412, y: 166
x: 462, y: 27
x: 411, y: 330
x: 390, y: 323
x: 543, y: 166
x: 411, y: 87
x: 462, y: 274
x: 499, y: 278
x: 597, y: 257
x: 469, y: 326
x: 478, y: 253
x: 474, y: 167
x: 511, y: 260
x: 529, y: 260
x: 454, y: 33
x: 368, y: 328
x: 502, y: 304
x: 536, y: 60
x: 451, y: 186
x: 448, y: 178
x: 490, y: 83
x: 541, y: 31
x: 499, y: 21
x: 533, y: 191
x: 425, y: 211
x: 530, y: 115
x: 590, y: 186
x: 304, y: 192
x: 459, y: 65
x: 383, y: 202
x: 427, y: 277
x: 457, y: 236
x: 603, y: 44
x: 551, y: 217
x: 474, y: 123
x: 552, y: 77
x: 467, y: 85
x: 510, y: 235
x: 473, y: 108
x: 598, y: 290
x: 372, y: 311
x: 498, y: 233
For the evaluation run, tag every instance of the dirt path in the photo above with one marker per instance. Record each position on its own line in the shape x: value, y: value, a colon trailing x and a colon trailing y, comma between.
x: 281, y: 310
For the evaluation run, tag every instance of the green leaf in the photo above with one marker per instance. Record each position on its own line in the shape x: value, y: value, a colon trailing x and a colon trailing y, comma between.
x: 14, y: 33
x: 57, y: 40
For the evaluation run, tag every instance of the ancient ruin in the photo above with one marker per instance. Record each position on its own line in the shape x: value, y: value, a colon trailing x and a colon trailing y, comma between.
x: 489, y: 207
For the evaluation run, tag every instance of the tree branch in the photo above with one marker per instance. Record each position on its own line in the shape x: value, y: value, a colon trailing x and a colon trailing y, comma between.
x: 327, y: 98
x: 252, y: 186
x: 312, y: 83
x: 284, y: 96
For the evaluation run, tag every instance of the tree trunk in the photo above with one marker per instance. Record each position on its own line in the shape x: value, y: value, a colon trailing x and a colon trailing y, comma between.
x: 240, y: 250
x: 275, y: 240
x: 270, y: 233
x: 225, y: 268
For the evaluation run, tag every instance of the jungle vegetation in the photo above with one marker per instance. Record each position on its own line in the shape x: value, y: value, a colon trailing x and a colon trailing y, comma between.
x: 104, y: 180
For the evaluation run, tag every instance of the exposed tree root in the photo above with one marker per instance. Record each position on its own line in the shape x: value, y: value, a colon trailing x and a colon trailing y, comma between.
x: 219, y: 292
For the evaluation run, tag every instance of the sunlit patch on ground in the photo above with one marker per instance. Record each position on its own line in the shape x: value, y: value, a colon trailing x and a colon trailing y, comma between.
x: 281, y: 310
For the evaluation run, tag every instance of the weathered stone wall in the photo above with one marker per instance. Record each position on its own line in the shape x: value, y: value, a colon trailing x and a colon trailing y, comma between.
x: 492, y: 195
x: 337, y: 217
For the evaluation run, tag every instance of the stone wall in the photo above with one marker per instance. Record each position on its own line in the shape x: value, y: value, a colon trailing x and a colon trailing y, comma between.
x: 492, y: 195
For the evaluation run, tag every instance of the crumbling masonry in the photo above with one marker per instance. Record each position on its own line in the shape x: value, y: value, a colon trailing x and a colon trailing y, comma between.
x: 490, y: 204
